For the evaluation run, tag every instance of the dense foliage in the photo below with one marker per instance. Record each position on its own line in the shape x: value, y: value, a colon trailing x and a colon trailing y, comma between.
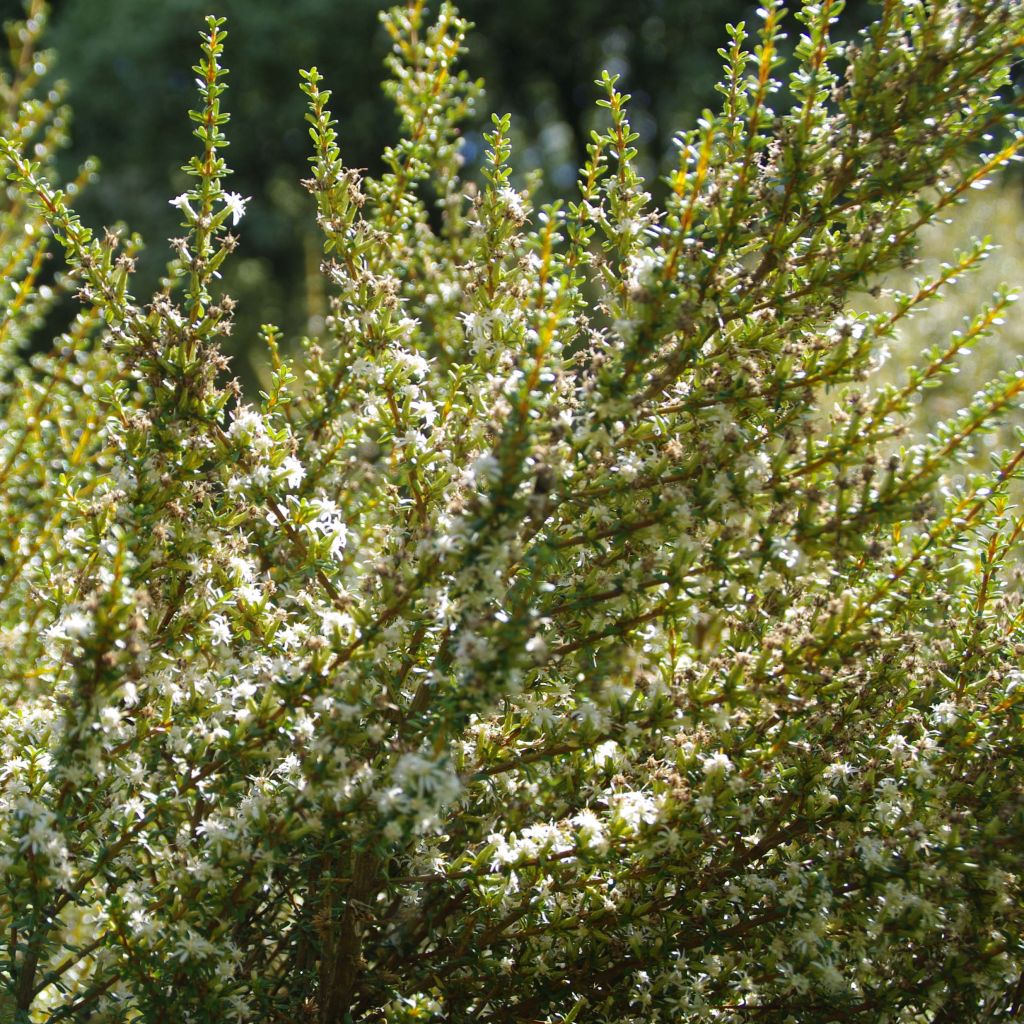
x: 127, y: 65
x: 572, y: 631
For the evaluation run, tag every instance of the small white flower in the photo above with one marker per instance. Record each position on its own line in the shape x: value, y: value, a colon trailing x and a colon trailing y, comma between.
x: 181, y: 202
x: 472, y: 647
x: 839, y: 771
x: 294, y: 472
x: 513, y: 202
x: 76, y: 625
x: 871, y: 850
x: 220, y: 631
x: 329, y: 523
x: 291, y: 636
x: 476, y: 327
x: 246, y: 423
x: 717, y: 763
x: 110, y: 717
x: 235, y: 205
x: 194, y: 947
x: 426, y: 410
x: 642, y: 269
x: 634, y: 808
x: 485, y: 468
x: 943, y: 713
x: 538, y: 647
x: 591, y: 829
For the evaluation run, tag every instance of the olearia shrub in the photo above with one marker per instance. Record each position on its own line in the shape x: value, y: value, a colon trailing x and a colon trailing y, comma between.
x: 572, y: 630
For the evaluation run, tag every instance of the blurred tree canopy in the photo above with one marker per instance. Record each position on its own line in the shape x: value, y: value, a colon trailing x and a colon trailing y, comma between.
x: 129, y: 68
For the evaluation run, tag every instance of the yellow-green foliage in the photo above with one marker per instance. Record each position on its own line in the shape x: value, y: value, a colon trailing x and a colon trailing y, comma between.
x: 577, y: 628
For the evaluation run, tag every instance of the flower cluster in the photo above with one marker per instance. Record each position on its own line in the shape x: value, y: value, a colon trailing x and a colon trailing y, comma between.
x: 572, y: 630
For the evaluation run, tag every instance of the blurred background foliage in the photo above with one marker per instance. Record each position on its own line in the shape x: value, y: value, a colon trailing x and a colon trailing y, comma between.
x: 128, y: 64
x: 997, y: 214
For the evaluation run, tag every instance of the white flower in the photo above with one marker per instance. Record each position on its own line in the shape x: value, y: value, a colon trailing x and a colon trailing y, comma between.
x: 216, y: 830
x: 605, y: 752
x: 245, y: 423
x: 416, y: 774
x: 943, y: 713
x: 334, y: 621
x: 194, y: 947
x: 839, y: 771
x: 235, y: 205
x: 74, y: 626
x: 220, y: 631
x: 504, y: 852
x: 830, y: 976
x: 110, y: 717
x: 426, y: 410
x: 181, y: 202
x: 294, y: 472
x: 871, y: 850
x: 40, y: 834
x: 329, y: 523
x: 474, y: 324
x: 634, y: 808
x: 591, y: 829
x: 291, y: 636
x: 472, y: 647
x: 243, y: 690
x: 77, y: 624
x: 641, y: 270
x: 242, y: 567
x: 538, y: 647
x: 717, y: 763
x: 513, y: 202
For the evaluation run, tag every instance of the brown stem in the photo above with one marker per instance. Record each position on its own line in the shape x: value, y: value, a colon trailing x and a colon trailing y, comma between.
x: 24, y: 991
x: 342, y: 953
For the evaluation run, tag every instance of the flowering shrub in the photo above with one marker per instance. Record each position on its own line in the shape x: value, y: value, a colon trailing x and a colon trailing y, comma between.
x: 570, y: 631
